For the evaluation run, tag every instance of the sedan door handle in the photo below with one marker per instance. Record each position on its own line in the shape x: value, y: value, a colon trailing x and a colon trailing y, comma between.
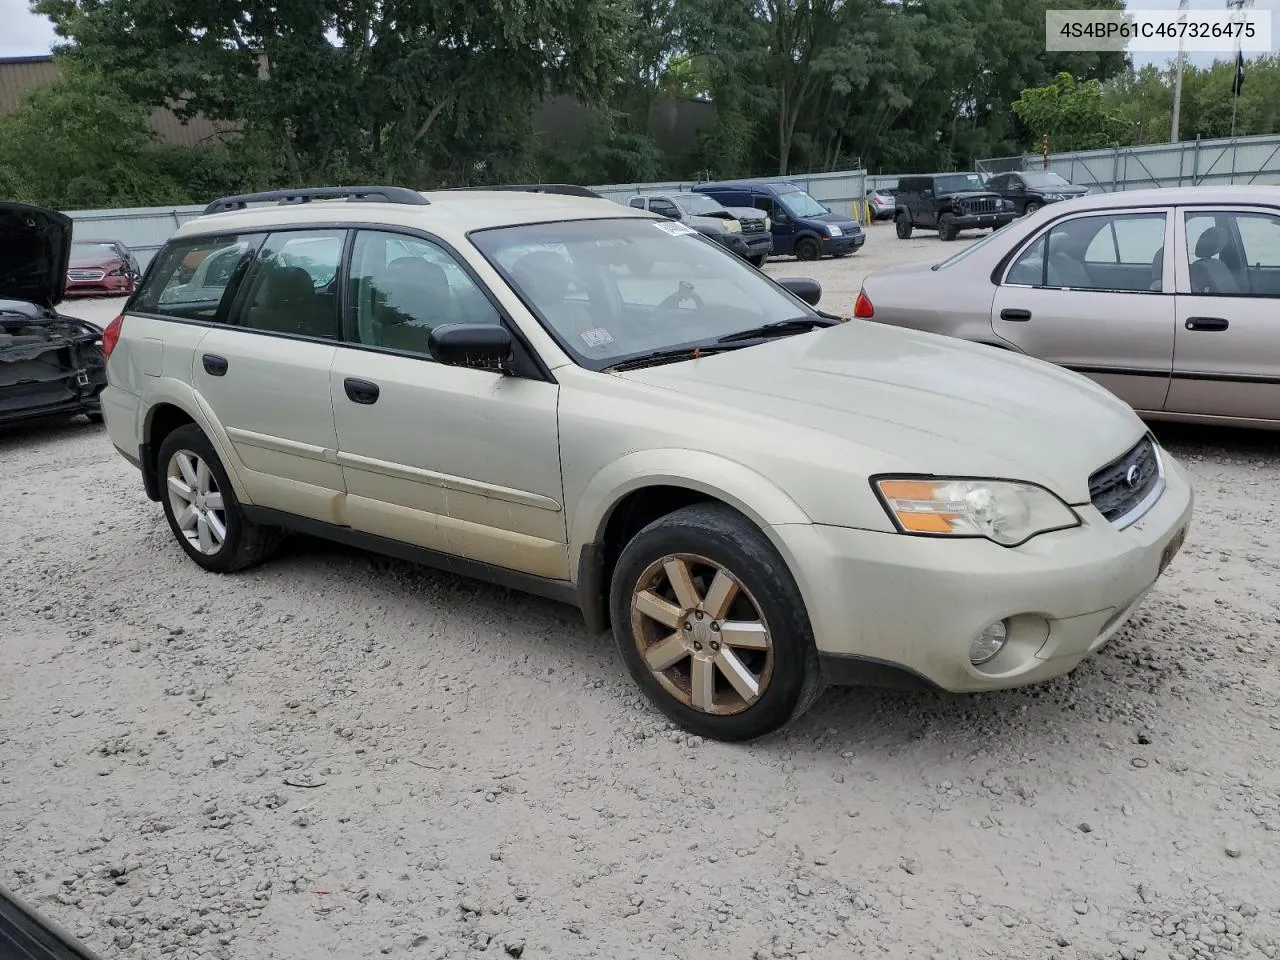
x: 1010, y: 313
x: 215, y: 365
x: 361, y: 391
x: 1207, y: 323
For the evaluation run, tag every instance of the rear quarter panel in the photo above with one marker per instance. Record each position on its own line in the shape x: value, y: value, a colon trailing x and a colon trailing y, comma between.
x: 953, y: 302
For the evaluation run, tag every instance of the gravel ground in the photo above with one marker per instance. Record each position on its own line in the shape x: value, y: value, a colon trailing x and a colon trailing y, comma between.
x: 340, y: 755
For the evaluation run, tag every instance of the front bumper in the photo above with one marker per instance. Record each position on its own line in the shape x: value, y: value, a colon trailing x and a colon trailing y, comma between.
x: 848, y: 243
x: 981, y: 221
x: 746, y: 246
x: 912, y: 605
x: 106, y: 287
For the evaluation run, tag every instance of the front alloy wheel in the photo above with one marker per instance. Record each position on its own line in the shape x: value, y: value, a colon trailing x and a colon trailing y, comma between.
x: 701, y: 634
x: 196, y: 501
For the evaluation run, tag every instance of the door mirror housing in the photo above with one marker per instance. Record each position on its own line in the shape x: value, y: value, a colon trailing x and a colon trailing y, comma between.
x: 485, y: 345
x: 806, y: 288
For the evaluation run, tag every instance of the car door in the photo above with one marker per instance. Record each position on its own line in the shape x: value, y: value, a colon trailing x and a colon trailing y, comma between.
x: 1094, y: 293
x: 923, y: 204
x: 784, y: 228
x: 265, y: 373
x: 1226, y: 360
x: 453, y: 459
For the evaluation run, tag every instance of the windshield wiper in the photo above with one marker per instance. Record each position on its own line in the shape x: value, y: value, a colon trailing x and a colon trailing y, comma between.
x: 667, y: 355
x: 779, y: 328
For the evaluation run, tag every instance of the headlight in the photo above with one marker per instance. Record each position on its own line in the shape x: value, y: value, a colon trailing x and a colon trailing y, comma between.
x: 1053, y: 196
x: 834, y: 231
x: 768, y: 223
x: 733, y: 226
x: 1004, y: 511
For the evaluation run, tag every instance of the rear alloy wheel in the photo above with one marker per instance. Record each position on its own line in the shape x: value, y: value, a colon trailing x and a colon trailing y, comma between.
x: 808, y: 248
x: 202, y: 509
x: 1031, y: 207
x: 712, y: 626
x: 947, y: 227
x: 904, y: 227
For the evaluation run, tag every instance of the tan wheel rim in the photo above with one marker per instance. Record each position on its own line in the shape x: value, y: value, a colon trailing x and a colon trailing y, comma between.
x: 197, y: 504
x: 701, y: 633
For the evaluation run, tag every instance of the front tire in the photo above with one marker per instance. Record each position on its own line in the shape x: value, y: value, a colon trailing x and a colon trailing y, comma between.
x: 1030, y: 208
x: 947, y: 227
x: 904, y: 227
x: 807, y: 248
x: 201, y: 506
x: 758, y: 261
x: 712, y: 626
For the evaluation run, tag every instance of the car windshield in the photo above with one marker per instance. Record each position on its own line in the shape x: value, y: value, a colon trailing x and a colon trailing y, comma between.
x: 1047, y: 179
x: 696, y: 205
x: 611, y: 290
x: 93, y: 249
x: 957, y: 182
x: 800, y: 204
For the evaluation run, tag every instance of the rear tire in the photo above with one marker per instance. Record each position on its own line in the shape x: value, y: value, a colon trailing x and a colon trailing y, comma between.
x: 947, y: 227
x: 808, y: 248
x: 904, y: 227
x: 758, y: 261
x: 712, y: 626
x: 201, y: 506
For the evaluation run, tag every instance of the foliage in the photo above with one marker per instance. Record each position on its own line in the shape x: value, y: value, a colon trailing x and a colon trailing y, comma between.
x: 1071, y: 114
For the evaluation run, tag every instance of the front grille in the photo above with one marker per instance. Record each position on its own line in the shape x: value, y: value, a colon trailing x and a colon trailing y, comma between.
x: 90, y: 275
x: 752, y: 226
x: 1119, y: 488
x: 987, y: 205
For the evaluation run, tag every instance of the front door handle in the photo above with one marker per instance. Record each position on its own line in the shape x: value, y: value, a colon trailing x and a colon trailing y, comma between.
x: 1012, y: 313
x: 361, y: 391
x: 215, y: 365
x: 1207, y: 323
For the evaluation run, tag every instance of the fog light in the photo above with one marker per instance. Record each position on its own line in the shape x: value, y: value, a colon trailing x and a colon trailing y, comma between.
x: 988, y: 643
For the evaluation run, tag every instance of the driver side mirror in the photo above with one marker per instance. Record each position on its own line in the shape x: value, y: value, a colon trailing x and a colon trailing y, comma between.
x: 806, y: 288
x: 484, y: 345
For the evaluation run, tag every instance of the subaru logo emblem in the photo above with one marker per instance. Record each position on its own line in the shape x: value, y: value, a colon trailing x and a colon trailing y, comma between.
x: 1131, y: 476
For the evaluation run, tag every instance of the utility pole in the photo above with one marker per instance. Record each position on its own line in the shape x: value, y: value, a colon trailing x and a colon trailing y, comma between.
x: 1177, y: 82
x: 1238, y: 6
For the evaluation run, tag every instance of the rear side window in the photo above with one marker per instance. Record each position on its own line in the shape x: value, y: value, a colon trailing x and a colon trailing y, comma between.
x: 292, y: 287
x: 191, y: 277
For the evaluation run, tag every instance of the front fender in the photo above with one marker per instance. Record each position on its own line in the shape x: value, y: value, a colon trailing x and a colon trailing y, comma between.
x: 742, y: 488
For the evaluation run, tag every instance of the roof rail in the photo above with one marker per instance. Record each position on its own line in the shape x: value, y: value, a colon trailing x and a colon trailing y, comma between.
x: 306, y: 195
x: 564, y: 189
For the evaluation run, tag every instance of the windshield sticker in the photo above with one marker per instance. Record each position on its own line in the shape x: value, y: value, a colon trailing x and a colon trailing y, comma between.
x: 596, y: 337
x: 673, y: 227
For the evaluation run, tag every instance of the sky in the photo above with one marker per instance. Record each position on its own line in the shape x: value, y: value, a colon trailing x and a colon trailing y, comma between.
x: 26, y: 34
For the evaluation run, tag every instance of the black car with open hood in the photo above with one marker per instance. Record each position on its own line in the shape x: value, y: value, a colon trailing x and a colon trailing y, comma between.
x: 50, y: 364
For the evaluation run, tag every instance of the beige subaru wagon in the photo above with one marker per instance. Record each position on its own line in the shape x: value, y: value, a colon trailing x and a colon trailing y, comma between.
x: 1169, y: 298
x: 589, y: 402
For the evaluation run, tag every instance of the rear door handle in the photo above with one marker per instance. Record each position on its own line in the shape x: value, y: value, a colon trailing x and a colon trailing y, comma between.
x: 1207, y: 323
x: 361, y: 391
x: 1011, y: 313
x: 215, y: 365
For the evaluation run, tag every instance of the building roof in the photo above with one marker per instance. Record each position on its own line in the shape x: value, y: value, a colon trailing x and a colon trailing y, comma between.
x: 20, y: 75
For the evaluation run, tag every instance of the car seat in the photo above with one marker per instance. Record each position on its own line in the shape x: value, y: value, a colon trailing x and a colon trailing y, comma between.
x: 285, y: 302
x: 414, y: 297
x: 1157, y: 271
x: 1209, y: 274
x: 546, y: 278
x: 1066, y: 260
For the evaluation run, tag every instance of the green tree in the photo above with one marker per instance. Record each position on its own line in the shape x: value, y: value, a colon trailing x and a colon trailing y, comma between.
x: 1073, y: 115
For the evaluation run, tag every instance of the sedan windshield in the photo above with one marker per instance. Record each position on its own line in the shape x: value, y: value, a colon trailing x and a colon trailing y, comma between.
x: 958, y: 182
x: 1041, y: 180
x: 800, y: 204
x: 611, y: 290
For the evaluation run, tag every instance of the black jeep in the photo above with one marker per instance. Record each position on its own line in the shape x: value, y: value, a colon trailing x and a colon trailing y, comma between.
x: 949, y: 202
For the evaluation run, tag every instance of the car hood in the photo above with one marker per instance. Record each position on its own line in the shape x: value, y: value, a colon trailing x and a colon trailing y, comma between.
x: 973, y: 195
x: 35, y: 245
x: 918, y: 403
x: 95, y: 263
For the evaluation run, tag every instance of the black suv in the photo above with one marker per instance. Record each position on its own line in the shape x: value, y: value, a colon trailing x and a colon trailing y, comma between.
x: 949, y: 202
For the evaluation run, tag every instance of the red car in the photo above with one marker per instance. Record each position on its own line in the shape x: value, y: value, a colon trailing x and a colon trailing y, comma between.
x: 101, y: 268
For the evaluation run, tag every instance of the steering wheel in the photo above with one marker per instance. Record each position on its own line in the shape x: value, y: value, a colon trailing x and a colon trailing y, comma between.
x: 686, y: 293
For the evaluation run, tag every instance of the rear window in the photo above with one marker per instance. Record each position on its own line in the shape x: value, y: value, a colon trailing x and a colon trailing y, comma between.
x: 190, y: 278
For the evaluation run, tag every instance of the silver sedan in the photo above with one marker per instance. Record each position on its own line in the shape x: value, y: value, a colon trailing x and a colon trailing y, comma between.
x: 1169, y: 298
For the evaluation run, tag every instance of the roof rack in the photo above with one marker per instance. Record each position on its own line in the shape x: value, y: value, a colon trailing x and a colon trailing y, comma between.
x: 564, y: 189
x: 283, y: 197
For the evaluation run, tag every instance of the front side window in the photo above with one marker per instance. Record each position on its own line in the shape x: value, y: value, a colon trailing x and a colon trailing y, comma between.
x: 292, y: 286
x: 610, y: 290
x: 191, y: 278
x: 402, y: 287
x: 1121, y: 252
x: 1233, y: 254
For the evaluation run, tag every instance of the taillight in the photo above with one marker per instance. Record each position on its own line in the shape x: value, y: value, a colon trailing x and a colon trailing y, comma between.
x: 863, y: 309
x: 111, y: 336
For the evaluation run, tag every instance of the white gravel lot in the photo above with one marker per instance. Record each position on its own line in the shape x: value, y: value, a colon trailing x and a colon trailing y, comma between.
x: 338, y: 755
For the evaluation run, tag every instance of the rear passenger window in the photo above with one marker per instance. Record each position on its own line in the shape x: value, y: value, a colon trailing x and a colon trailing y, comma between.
x: 292, y: 286
x: 191, y: 278
x: 403, y: 287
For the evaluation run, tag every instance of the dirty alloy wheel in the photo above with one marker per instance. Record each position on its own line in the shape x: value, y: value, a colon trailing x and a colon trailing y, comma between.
x: 904, y: 226
x: 947, y: 227
x: 201, y: 506
x: 1031, y: 208
x: 712, y: 626
x: 807, y: 248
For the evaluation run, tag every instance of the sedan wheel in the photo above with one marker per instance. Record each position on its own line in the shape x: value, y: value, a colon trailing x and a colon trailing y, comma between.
x: 197, y: 503
x: 701, y: 634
